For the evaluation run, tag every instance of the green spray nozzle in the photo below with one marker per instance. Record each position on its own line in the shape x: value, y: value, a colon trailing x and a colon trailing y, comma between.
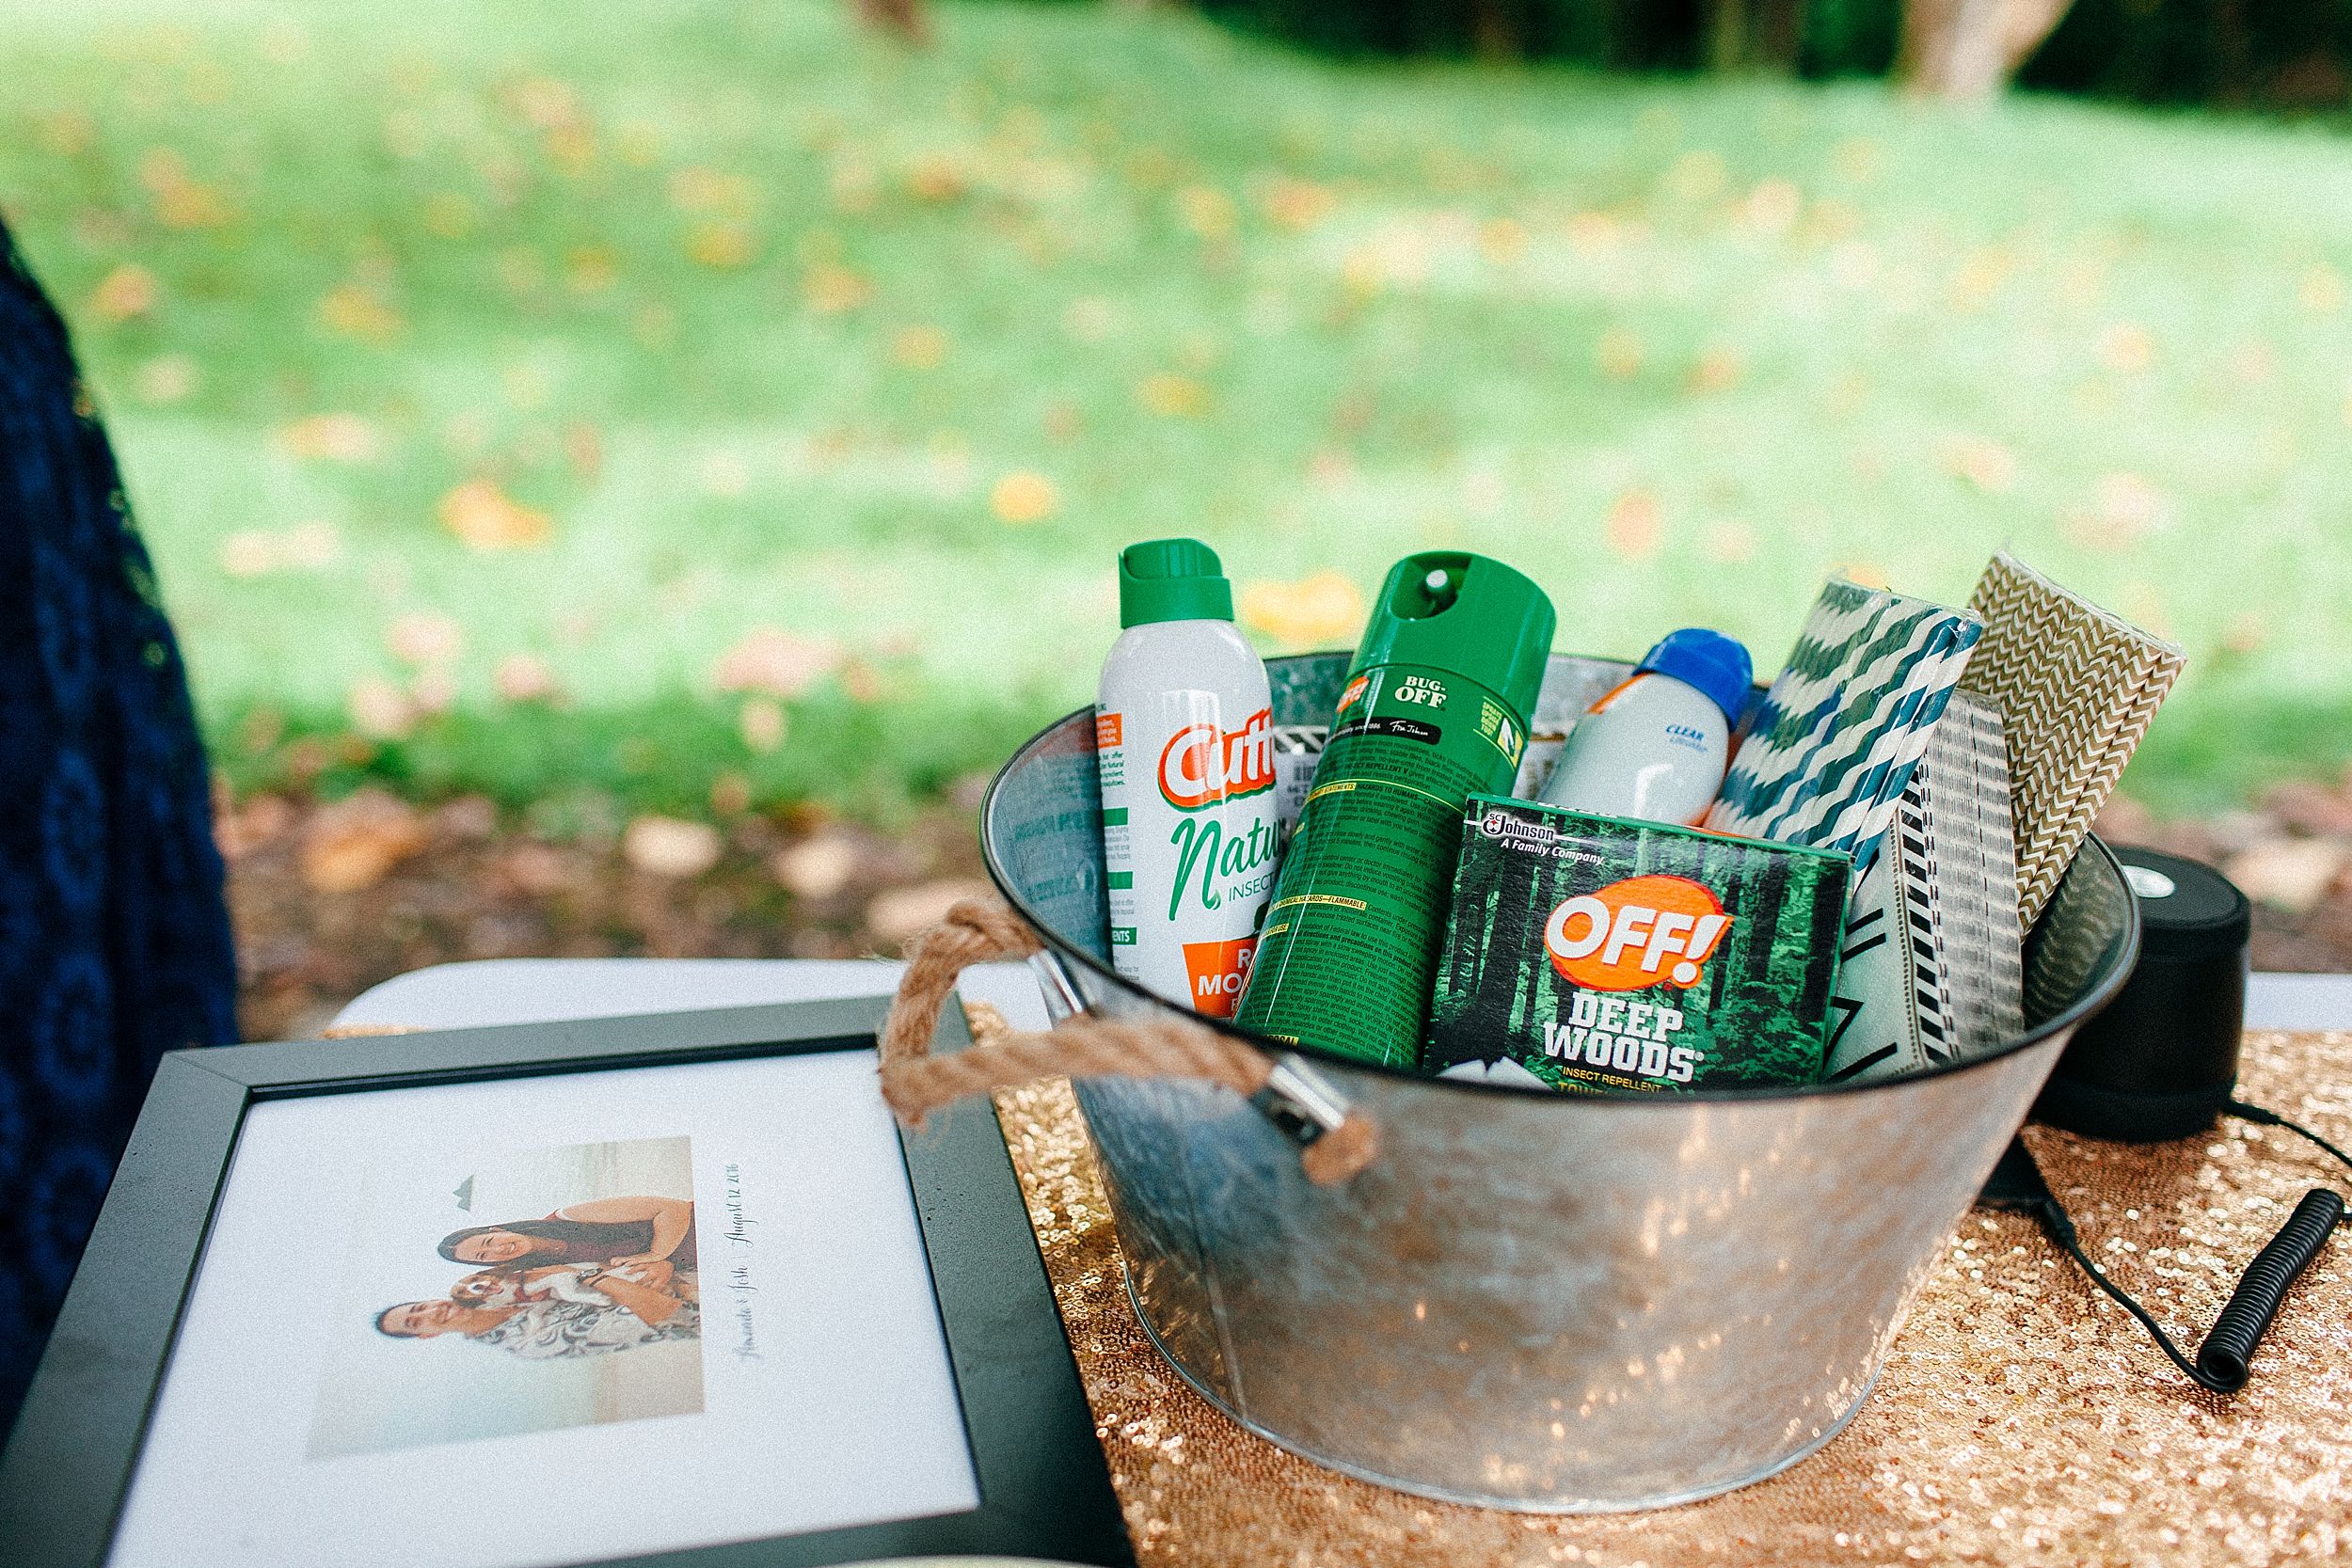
x: 1437, y: 587
x: 1466, y: 613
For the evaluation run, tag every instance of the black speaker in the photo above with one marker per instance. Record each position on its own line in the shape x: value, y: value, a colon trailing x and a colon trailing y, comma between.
x: 2161, y: 1061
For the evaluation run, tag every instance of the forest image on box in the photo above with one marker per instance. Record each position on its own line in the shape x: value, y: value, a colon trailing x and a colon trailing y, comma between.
x: 1733, y: 1003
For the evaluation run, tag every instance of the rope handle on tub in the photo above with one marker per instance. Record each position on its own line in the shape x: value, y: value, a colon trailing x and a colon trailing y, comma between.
x: 917, y: 1082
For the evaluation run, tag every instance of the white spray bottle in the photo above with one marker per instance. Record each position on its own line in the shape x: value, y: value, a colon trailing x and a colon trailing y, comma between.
x: 1184, y: 743
x: 1655, y: 747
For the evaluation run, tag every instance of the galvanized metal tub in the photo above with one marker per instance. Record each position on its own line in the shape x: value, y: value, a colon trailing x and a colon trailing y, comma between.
x: 1541, y: 1303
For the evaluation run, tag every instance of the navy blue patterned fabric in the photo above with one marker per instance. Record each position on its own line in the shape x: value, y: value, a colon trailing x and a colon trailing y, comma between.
x: 114, y: 938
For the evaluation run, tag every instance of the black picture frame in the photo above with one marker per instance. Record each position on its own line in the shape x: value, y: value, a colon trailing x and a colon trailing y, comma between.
x: 1044, y: 1488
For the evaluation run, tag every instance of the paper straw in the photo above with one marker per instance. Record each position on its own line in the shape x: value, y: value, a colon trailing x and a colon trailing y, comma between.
x: 1844, y: 724
x: 2077, y: 688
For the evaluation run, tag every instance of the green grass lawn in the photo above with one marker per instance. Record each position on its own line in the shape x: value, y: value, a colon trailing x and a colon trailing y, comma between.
x: 485, y: 376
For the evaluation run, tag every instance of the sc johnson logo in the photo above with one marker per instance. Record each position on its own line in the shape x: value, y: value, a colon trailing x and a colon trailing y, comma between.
x: 1202, y: 765
x: 1621, y: 937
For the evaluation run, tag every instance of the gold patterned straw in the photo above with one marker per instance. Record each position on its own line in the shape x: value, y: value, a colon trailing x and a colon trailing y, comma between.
x: 2077, y: 687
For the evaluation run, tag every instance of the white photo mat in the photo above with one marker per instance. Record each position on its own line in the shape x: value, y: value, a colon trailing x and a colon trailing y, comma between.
x: 826, y: 1399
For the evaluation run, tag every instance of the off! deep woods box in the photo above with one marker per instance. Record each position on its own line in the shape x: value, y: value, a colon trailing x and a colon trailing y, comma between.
x: 1605, y: 955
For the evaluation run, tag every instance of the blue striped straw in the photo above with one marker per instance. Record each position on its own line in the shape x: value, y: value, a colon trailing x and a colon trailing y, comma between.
x: 1845, y: 722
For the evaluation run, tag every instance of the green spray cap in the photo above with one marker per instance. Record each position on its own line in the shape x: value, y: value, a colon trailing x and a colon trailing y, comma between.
x: 1468, y: 614
x: 1172, y: 579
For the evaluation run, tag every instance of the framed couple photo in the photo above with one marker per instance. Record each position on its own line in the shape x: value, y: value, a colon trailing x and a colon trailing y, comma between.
x: 670, y: 1288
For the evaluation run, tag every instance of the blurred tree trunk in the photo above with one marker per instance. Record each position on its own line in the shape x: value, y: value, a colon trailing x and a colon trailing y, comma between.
x: 1495, y: 32
x: 905, y: 19
x: 1968, y: 49
x: 1755, y: 35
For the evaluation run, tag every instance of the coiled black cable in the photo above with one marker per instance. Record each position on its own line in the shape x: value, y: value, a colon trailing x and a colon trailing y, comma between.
x: 2222, y: 1362
x: 2061, y: 1231
x: 2223, y: 1356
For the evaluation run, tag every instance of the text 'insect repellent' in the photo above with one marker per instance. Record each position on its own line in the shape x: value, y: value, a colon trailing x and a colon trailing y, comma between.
x: 1184, y: 746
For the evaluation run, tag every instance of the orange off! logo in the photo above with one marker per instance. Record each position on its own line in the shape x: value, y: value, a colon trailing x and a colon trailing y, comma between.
x: 1639, y: 932
x: 1217, y: 970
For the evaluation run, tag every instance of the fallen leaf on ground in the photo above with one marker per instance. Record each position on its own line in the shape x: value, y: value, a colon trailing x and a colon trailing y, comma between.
x: 313, y: 546
x: 355, y: 311
x: 583, y: 448
x: 671, y: 846
x: 1619, y: 355
x: 2288, y: 874
x: 434, y: 691
x: 352, y: 845
x: 2323, y: 290
x: 1985, y: 464
x: 525, y: 678
x: 1320, y: 609
x: 546, y: 102
x: 730, y: 795
x: 486, y: 518
x: 1502, y: 241
x: 1173, y: 397
x: 703, y: 190
x: 2126, y: 508
x: 424, y: 637
x: 1773, y: 207
x: 128, y: 290
x: 181, y: 201
x: 1295, y: 204
x: 1206, y: 210
x: 863, y: 682
x: 903, y: 912
x: 471, y: 818
x: 379, y: 709
x: 1091, y: 319
x: 1632, y: 529
x: 1023, y: 496
x: 1697, y: 176
x: 2311, y: 808
x: 167, y: 378
x: 449, y: 216
x: 258, y: 552
x: 2127, y: 348
x: 935, y: 180
x: 725, y: 474
x: 1718, y: 371
x: 721, y: 247
x: 590, y: 269
x: 760, y: 722
x: 253, y: 825
x: 831, y: 289
x: 776, y: 661
x: 1731, y: 543
x: 919, y: 348
x: 816, y: 868
x: 249, y: 552
x: 534, y: 870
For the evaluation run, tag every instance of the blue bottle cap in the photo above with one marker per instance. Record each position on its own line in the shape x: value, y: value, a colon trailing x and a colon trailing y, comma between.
x: 1711, y: 661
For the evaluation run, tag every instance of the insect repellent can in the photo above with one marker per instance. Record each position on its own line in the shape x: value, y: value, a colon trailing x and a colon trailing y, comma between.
x: 1601, y: 954
x: 1184, y: 744
x: 1435, y: 709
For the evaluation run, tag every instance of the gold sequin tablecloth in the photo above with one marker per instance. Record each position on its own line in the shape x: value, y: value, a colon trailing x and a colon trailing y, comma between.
x: 2021, y: 1418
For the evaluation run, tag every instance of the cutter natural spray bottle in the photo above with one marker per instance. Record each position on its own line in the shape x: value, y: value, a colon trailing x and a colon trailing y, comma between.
x: 1185, y: 742
x: 1434, y: 710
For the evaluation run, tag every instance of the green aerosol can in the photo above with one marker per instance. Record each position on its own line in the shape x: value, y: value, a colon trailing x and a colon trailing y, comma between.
x: 1434, y: 710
